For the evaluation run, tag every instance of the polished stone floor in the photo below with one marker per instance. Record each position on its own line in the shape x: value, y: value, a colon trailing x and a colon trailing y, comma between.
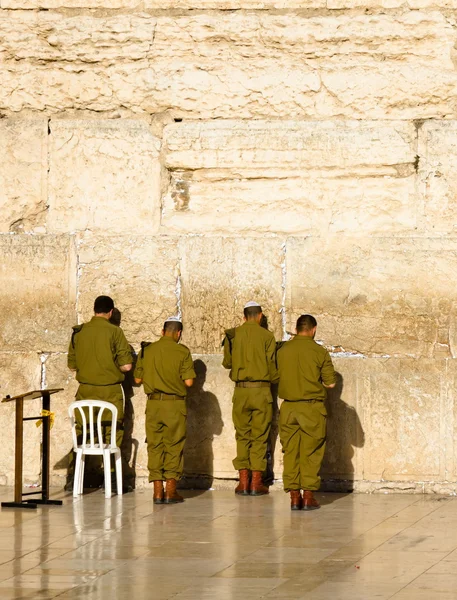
x: 219, y: 546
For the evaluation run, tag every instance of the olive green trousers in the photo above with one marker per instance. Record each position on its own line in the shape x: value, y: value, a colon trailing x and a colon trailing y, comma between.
x: 252, y: 414
x: 302, y: 431
x: 165, y: 436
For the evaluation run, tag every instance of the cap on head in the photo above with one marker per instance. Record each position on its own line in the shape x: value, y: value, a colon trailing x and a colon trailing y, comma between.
x: 103, y: 305
x: 172, y: 324
x: 252, y: 310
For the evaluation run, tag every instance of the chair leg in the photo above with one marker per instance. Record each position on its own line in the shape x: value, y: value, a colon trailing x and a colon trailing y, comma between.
x: 77, y: 475
x: 107, y: 473
x: 81, y: 474
x: 118, y: 471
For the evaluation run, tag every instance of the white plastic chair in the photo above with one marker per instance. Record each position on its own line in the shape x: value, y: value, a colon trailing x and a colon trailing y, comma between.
x: 89, y: 445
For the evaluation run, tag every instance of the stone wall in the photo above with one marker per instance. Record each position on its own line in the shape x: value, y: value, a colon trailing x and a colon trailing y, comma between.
x: 189, y: 155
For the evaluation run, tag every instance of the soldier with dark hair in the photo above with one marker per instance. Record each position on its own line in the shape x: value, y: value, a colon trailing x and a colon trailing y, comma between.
x: 305, y: 370
x: 100, y: 355
x: 249, y: 353
x: 166, y: 370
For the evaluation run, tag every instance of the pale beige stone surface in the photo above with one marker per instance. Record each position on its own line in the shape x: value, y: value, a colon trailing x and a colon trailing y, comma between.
x: 220, y: 65
x: 379, y: 296
x: 163, y: 4
x: 249, y: 177
x: 219, y: 275
x: 290, y: 146
x: 38, y: 292
x: 20, y: 373
x: 139, y: 272
x: 438, y: 151
x: 23, y: 182
x: 104, y: 175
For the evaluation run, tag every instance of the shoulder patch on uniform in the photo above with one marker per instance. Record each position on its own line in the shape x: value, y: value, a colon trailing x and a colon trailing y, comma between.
x: 143, y: 346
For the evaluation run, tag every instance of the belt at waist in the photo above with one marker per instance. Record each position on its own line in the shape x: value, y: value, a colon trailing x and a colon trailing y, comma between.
x: 305, y: 400
x: 253, y: 384
x: 163, y: 396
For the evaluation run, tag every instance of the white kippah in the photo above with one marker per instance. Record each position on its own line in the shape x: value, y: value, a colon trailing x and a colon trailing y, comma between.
x: 173, y: 320
x: 251, y: 303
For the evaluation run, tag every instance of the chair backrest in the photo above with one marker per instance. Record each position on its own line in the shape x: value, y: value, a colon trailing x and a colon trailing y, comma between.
x: 91, y: 406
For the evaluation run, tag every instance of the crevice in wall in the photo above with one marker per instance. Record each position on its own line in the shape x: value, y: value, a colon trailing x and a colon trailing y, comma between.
x: 285, y: 335
x: 43, y: 358
x: 178, y: 294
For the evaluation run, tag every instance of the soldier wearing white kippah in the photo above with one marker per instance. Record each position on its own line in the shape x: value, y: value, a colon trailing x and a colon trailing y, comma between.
x: 166, y: 370
x: 249, y: 353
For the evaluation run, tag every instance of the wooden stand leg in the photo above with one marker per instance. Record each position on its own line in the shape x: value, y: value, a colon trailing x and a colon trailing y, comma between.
x: 18, y: 452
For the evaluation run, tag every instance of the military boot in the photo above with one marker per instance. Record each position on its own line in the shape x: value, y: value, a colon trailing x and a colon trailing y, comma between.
x: 257, y: 487
x: 171, y: 495
x: 158, y: 492
x: 243, y: 487
x: 296, y: 501
x: 309, y: 501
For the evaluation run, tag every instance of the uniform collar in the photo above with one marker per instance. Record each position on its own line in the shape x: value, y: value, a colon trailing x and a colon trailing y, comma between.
x: 100, y: 320
x: 304, y: 337
x: 251, y: 323
x: 167, y: 338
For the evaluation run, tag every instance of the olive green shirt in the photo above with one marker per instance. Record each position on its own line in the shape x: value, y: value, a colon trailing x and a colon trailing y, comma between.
x: 303, y: 367
x: 97, y: 350
x: 163, y: 366
x: 249, y: 353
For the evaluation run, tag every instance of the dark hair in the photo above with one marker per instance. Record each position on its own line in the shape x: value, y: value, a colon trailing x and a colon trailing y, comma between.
x: 251, y: 312
x: 103, y: 304
x: 306, y: 323
x: 172, y: 326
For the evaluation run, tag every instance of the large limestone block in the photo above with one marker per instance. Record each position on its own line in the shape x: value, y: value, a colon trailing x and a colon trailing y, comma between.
x: 23, y: 170
x: 378, y: 296
x: 273, y: 147
x: 21, y: 372
x: 219, y: 275
x: 345, y: 422
x: 236, y: 176
x: 241, y: 63
x: 38, y: 293
x: 438, y: 154
x: 163, y: 4
x: 210, y: 445
x: 104, y: 175
x: 47, y: 4
x: 139, y: 272
x: 405, y: 403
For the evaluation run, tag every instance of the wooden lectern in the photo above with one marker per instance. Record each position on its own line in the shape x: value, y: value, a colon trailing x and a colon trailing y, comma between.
x: 19, y: 445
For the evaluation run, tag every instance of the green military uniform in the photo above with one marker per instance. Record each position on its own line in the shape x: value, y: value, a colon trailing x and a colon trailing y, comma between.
x: 163, y: 366
x: 303, y: 366
x: 249, y: 353
x: 97, y: 350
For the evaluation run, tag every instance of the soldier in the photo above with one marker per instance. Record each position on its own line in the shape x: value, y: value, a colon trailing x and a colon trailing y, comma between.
x: 305, y: 370
x: 100, y: 355
x: 249, y: 353
x: 165, y: 369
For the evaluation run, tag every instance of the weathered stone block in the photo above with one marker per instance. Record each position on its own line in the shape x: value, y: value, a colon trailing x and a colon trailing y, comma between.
x: 104, y: 175
x: 213, y: 65
x: 219, y: 275
x: 21, y: 372
x: 273, y: 147
x: 34, y: 4
x: 375, y: 296
x: 23, y: 169
x: 438, y: 153
x: 210, y: 446
x: 141, y: 275
x: 236, y: 176
x: 38, y: 293
x: 403, y: 429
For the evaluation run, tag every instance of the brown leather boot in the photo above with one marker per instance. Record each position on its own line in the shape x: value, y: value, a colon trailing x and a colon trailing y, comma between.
x: 158, y: 492
x: 309, y: 501
x: 243, y: 487
x: 171, y: 495
x: 257, y: 487
x: 296, y: 501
